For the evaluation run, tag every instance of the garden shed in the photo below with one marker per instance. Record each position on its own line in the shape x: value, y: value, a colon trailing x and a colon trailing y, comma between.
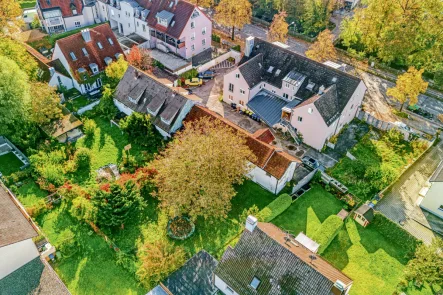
x: 364, y: 215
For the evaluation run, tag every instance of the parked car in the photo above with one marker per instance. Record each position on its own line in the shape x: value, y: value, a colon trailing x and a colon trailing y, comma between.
x: 419, y: 111
x: 312, y: 163
x: 207, y: 75
x: 194, y: 82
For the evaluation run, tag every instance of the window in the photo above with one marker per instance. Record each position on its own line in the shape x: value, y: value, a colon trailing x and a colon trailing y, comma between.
x: 204, y: 31
x: 74, y: 11
x: 241, y: 102
x: 271, y: 68
x: 285, y: 95
x: 119, y: 15
x: 229, y: 290
x: 110, y: 41
x: 273, y: 91
x: 231, y: 98
x: 144, y: 28
x: 77, y: 24
x: 231, y: 87
x: 287, y: 85
x: 195, y: 14
x: 99, y: 45
x: 129, y: 25
x: 72, y: 55
x: 193, y: 36
x: 87, y: 87
x: 99, y: 82
x: 255, y: 281
x: 300, y: 119
x: 237, y: 76
x: 112, y: 11
x: 193, y: 25
x: 138, y: 24
x: 204, y: 42
x: 192, y: 47
x: 242, y: 91
x: 85, y: 52
x: 310, y: 110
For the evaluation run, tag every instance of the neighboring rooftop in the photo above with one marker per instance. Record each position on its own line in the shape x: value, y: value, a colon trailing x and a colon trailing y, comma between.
x: 366, y: 211
x: 34, y: 278
x: 269, y: 158
x: 273, y: 64
x: 193, y: 278
x: 144, y: 94
x: 14, y: 226
x: 65, y: 6
x: 280, y: 266
x: 89, y: 47
x: 61, y: 126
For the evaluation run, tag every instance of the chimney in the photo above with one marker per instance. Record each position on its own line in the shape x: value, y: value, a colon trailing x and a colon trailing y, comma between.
x: 249, y: 45
x: 51, y: 71
x: 86, y: 34
x: 251, y: 223
x: 321, y: 89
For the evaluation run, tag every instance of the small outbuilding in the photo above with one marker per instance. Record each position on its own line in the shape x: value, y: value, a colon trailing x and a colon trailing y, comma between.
x: 364, y: 215
x: 65, y: 129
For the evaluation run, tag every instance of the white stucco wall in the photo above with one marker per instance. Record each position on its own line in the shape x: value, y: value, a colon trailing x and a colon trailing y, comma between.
x: 222, y: 286
x: 85, y: 19
x: 265, y: 180
x: 201, y: 22
x: 66, y: 81
x: 434, y: 199
x: 14, y: 256
x: 179, y: 121
x: 287, y: 177
x: 122, y: 108
x: 239, y: 83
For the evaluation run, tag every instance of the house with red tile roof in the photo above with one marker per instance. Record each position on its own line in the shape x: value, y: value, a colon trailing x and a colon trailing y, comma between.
x: 58, y: 16
x: 170, y: 26
x: 86, y: 54
x: 272, y: 168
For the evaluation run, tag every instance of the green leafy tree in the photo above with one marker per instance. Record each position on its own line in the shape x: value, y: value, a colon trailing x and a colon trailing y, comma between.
x: 408, y: 86
x: 140, y: 129
x: 427, y: 265
x: 35, y: 23
x: 17, y: 52
x: 233, y: 14
x: 14, y: 96
x: 10, y: 20
x: 106, y: 108
x: 316, y: 15
x: 115, y: 71
x: 45, y: 103
x: 278, y: 31
x: 115, y: 203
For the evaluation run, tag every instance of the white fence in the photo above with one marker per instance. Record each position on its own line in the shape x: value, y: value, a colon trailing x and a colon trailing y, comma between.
x: 213, y: 62
x: 88, y: 107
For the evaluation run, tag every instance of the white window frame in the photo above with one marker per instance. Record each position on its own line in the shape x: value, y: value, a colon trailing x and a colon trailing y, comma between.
x: 77, y: 24
x: 192, y: 47
x: 242, y: 91
x: 310, y: 110
x: 300, y: 119
x: 192, y: 24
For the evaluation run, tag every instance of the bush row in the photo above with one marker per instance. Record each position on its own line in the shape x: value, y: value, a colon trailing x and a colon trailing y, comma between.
x: 275, y: 208
x: 327, y: 232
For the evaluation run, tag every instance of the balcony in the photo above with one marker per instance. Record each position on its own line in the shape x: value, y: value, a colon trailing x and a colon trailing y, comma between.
x: 54, y: 21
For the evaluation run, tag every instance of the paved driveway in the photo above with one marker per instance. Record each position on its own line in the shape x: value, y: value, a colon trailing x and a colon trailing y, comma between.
x: 400, y: 203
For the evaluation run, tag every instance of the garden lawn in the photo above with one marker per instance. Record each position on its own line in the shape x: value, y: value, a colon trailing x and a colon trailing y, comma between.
x: 92, y: 267
x: 378, y: 163
x: 9, y: 163
x: 77, y: 103
x: 308, y: 212
x: 374, y: 257
x: 29, y: 194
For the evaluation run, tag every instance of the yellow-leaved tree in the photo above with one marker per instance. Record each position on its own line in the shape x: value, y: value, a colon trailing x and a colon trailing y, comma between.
x: 278, y: 31
x: 45, y: 103
x: 408, y: 86
x: 197, y: 171
x: 323, y: 49
x: 10, y: 20
x: 233, y: 13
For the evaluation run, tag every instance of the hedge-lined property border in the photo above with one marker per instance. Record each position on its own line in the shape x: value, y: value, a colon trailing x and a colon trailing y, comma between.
x: 327, y: 232
x: 275, y: 208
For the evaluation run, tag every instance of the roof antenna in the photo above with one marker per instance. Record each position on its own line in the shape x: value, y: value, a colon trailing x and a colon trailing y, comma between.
x: 313, y: 258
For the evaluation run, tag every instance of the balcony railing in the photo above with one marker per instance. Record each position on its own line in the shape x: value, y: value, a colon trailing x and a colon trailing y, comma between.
x: 56, y: 21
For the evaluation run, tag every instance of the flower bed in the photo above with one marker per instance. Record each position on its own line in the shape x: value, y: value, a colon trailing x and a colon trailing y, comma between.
x: 180, y: 228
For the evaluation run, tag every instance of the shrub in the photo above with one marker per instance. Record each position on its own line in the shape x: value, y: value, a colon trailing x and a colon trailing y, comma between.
x: 192, y: 73
x: 275, y: 208
x: 66, y: 242
x: 140, y: 129
x: 37, y: 209
x: 82, y: 158
x: 17, y: 176
x: 89, y: 127
x: 83, y: 209
x: 215, y: 38
x: 236, y: 48
x: 327, y: 232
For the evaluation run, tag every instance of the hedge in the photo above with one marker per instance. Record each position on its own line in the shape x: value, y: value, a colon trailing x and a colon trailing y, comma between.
x: 327, y: 232
x: 275, y: 208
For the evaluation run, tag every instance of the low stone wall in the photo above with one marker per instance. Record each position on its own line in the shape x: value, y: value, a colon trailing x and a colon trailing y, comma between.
x: 232, y: 53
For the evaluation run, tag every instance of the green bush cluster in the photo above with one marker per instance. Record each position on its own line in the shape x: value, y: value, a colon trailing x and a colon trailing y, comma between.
x: 89, y: 127
x: 327, y: 232
x: 275, y: 208
x: 192, y: 73
x: 216, y: 38
x: 236, y: 48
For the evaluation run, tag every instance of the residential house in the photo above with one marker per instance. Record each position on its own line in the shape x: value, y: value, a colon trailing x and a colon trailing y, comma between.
x: 84, y: 56
x: 433, y: 195
x: 57, y: 16
x: 272, y: 168
x: 22, y: 269
x: 291, y: 92
x: 174, y: 26
x: 139, y: 92
x: 267, y: 260
x: 195, y: 277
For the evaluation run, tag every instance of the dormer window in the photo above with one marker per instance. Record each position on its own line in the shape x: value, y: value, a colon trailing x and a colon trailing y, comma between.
x: 94, y: 68
x: 100, y: 46
x: 164, y: 18
x: 110, y: 41
x: 85, y: 52
x: 310, y: 86
x: 171, y: 4
x: 195, y: 14
x: 277, y: 72
x: 74, y: 11
x: 271, y: 68
x: 72, y: 55
x: 108, y: 60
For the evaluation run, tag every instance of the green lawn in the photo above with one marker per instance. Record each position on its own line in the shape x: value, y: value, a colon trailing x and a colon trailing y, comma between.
x: 75, y: 104
x: 308, y: 212
x: 29, y: 193
x: 374, y: 257
x: 9, y: 164
x: 380, y: 159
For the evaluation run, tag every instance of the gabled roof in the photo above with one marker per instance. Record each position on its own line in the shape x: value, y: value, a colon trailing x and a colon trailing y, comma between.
x: 264, y: 135
x: 75, y: 43
x: 14, y: 226
x: 154, y: 96
x: 282, y: 267
x: 64, y: 5
x: 366, y: 211
x: 61, y: 126
x: 267, y: 157
x: 272, y: 64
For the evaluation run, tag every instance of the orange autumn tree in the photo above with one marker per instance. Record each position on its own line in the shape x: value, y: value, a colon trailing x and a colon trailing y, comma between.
x: 140, y: 58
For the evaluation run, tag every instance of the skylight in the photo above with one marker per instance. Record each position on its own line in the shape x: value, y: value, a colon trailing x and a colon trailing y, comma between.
x: 255, y: 283
x: 72, y: 55
x: 271, y: 68
x: 99, y: 45
x: 110, y: 41
x: 277, y: 72
x: 334, y: 79
x: 85, y: 52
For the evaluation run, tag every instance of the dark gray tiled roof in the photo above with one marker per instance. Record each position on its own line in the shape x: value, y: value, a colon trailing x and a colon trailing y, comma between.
x: 267, y: 54
x: 268, y: 106
x: 202, y: 58
x: 328, y: 106
x: 155, y: 95
x: 194, y: 277
x: 260, y: 254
